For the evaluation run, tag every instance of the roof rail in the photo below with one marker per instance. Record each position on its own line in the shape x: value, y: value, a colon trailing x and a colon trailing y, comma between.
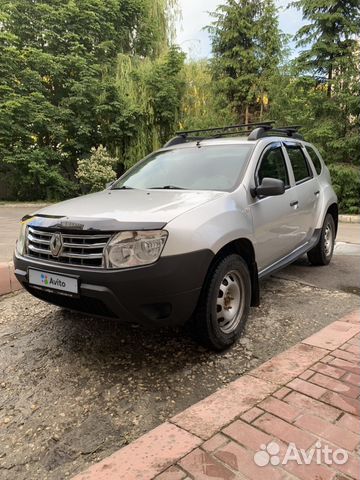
x: 263, y: 129
x: 185, y: 136
x: 224, y: 129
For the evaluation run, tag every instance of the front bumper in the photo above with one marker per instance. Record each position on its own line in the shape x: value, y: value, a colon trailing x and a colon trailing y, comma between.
x: 162, y: 294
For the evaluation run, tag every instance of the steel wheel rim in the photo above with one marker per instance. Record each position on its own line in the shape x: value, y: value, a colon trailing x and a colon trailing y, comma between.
x: 328, y: 240
x: 230, y: 302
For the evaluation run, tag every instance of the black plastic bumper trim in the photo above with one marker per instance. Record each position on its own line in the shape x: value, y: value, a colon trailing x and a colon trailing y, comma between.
x: 162, y: 294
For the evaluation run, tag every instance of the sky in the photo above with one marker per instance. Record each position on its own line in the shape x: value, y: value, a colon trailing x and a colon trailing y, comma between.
x: 194, y: 41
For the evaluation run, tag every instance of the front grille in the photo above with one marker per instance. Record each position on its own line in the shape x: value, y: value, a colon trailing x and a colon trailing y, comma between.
x: 77, y: 249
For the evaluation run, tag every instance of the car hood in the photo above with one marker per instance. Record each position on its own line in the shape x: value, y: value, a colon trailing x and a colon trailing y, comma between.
x: 130, y: 206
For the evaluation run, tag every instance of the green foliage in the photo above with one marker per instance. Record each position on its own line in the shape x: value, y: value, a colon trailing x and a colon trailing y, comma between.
x: 140, y: 110
x: 332, y: 123
x: 59, y: 95
x: 330, y: 35
x: 247, y: 48
x: 201, y: 106
x: 346, y: 182
x: 37, y: 174
x: 97, y: 170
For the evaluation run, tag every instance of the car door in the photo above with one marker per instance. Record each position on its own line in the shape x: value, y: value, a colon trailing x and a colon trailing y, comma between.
x: 305, y: 193
x: 273, y: 217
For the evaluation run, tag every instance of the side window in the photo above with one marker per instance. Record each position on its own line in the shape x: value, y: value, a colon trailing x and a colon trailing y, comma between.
x: 273, y: 166
x: 299, y: 163
x: 315, y: 159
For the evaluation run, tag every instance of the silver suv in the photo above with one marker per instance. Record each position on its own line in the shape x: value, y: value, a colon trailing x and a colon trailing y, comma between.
x: 185, y: 235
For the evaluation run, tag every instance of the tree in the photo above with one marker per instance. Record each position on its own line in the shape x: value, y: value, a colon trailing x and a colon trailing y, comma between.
x: 332, y: 36
x: 247, y: 48
x: 201, y: 107
x: 58, y: 61
x: 97, y: 170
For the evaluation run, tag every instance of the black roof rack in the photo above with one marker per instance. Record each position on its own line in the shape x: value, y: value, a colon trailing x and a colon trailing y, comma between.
x: 223, y: 130
x: 263, y: 129
x: 270, y: 131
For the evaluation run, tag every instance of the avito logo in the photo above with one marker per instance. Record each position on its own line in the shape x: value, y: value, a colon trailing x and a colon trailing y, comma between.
x: 49, y: 281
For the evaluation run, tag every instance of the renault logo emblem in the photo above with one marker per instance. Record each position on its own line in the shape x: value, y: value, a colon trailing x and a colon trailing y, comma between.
x: 56, y: 244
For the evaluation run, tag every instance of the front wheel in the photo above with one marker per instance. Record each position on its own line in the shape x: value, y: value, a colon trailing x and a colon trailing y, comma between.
x: 323, y: 251
x: 224, y: 303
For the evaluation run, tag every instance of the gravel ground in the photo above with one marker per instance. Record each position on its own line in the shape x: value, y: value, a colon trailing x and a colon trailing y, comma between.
x: 74, y: 389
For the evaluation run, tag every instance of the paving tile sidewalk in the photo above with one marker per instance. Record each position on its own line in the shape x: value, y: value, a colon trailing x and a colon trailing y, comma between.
x: 306, y: 395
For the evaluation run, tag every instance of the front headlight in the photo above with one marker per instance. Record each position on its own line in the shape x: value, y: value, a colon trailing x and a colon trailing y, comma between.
x: 21, y: 241
x: 131, y: 249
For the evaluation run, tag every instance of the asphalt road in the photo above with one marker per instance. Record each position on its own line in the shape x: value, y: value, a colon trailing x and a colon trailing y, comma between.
x: 73, y: 389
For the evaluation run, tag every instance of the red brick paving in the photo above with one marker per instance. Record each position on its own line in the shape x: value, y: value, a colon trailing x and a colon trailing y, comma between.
x: 280, y: 394
x: 333, y: 433
x: 328, y: 370
x: 242, y: 460
x: 336, y: 385
x: 246, y: 435
x: 252, y: 414
x: 281, y: 409
x: 215, y: 442
x: 311, y: 405
x: 203, y: 466
x: 307, y: 388
x: 306, y: 395
x: 146, y: 457
x: 208, y: 416
x: 333, y: 336
x: 344, y: 364
x: 286, y: 366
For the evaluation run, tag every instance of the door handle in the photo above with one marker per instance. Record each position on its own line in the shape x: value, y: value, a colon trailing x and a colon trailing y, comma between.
x: 317, y: 193
x: 293, y: 204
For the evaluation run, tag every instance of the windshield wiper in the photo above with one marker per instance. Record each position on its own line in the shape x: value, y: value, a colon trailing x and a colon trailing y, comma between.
x: 168, y: 187
x: 124, y: 187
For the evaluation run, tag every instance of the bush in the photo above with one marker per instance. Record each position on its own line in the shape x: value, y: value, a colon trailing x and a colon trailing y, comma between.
x: 37, y: 175
x: 96, y: 171
x: 346, y: 183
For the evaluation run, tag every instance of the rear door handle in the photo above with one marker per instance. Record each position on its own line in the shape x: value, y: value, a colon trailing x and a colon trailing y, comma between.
x: 317, y: 193
x: 293, y: 204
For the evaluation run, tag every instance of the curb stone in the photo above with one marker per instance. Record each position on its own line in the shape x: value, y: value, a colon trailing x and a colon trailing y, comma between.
x: 8, y: 281
x: 24, y: 205
x: 349, y: 218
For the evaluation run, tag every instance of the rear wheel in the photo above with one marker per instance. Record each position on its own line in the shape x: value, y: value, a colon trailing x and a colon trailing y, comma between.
x: 224, y: 303
x: 323, y: 251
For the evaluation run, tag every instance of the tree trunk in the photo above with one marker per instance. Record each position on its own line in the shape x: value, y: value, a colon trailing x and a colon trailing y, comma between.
x: 247, y: 114
x: 329, y: 86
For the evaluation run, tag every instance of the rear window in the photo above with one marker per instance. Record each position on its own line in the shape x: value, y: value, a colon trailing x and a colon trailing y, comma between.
x: 299, y: 163
x: 217, y: 167
x: 315, y: 159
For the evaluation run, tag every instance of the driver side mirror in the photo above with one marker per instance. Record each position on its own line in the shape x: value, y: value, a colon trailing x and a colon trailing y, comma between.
x: 270, y: 187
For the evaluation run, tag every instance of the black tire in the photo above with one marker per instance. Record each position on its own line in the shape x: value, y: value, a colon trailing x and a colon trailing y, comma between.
x: 323, y: 251
x: 206, y: 326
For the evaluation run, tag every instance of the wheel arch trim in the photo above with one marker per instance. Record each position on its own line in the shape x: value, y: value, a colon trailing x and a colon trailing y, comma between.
x: 244, y: 248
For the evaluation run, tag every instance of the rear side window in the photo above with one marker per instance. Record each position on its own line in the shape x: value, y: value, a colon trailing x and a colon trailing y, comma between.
x: 315, y: 159
x: 273, y: 166
x: 299, y: 163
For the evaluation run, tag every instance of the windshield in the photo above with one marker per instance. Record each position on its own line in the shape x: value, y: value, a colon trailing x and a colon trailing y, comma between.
x: 217, y: 167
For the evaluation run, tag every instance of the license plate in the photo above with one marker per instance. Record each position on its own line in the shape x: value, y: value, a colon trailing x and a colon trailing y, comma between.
x: 53, y: 280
